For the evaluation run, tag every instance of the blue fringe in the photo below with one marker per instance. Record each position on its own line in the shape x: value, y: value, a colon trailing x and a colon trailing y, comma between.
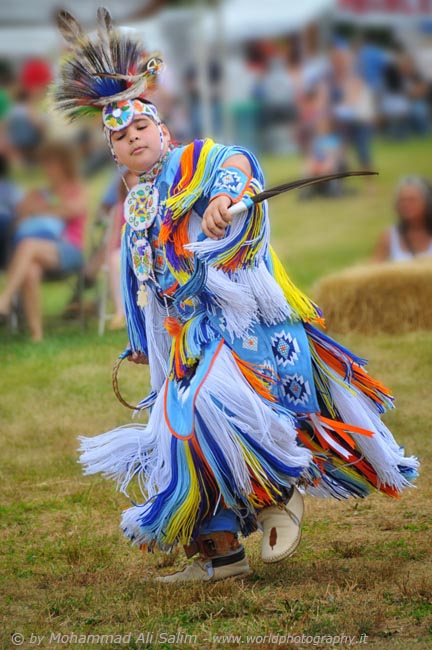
x: 135, y: 318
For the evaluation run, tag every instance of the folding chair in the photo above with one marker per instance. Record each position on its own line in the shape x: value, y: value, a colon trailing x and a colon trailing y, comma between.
x: 103, y: 284
x: 16, y: 314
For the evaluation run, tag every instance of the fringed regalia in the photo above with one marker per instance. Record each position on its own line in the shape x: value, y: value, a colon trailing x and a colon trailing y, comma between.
x: 248, y: 395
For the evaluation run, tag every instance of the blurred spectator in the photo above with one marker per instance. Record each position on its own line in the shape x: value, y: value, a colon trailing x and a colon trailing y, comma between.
x: 372, y: 60
x: 395, y: 103
x: 417, y: 91
x: 195, y: 109
x: 27, y: 120
x: 326, y: 157
x: 353, y: 104
x: 43, y: 214
x: 411, y: 236
x: 316, y: 63
x: 97, y: 256
x: 10, y: 197
x: 312, y: 106
x: 246, y: 76
x: 279, y: 106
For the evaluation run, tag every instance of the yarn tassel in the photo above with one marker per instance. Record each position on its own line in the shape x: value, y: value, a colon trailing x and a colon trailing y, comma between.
x: 135, y: 317
x: 305, y: 309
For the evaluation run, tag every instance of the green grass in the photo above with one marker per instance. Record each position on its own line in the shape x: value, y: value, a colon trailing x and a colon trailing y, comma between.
x: 361, y: 568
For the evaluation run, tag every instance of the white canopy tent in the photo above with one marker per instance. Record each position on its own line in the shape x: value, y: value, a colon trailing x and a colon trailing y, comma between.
x: 27, y: 29
x: 231, y: 23
x: 246, y: 19
x: 384, y: 13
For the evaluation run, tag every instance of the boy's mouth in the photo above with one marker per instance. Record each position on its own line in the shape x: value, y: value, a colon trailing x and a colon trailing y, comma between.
x: 137, y: 150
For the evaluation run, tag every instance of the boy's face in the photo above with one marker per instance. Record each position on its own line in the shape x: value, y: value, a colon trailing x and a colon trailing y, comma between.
x: 138, y: 146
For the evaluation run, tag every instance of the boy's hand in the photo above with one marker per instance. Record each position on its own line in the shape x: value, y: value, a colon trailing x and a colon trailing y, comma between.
x: 216, y: 217
x: 138, y: 357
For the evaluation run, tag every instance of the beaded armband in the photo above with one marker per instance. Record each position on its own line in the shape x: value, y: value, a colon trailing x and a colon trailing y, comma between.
x: 231, y: 182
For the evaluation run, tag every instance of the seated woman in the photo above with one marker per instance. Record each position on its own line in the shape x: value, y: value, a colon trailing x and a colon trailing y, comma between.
x: 41, y: 248
x: 411, y: 236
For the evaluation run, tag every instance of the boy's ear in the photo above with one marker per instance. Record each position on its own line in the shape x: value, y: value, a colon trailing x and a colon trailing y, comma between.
x: 165, y: 131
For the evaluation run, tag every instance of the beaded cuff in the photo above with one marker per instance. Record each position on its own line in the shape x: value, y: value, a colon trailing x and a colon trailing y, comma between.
x: 231, y: 182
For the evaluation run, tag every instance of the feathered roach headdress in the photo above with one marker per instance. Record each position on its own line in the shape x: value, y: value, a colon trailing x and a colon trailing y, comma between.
x: 108, y: 74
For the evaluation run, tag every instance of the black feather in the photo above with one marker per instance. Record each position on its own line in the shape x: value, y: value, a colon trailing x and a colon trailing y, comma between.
x: 305, y: 182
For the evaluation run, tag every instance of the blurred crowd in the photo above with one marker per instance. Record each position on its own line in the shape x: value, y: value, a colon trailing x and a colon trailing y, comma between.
x: 291, y: 96
x: 45, y: 170
x: 279, y: 97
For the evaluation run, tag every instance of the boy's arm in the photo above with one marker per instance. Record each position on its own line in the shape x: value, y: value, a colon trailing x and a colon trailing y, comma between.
x: 216, y: 217
x: 240, y: 161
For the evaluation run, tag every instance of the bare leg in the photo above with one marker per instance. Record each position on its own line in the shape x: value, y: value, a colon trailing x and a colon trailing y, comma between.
x: 31, y: 294
x: 28, y: 252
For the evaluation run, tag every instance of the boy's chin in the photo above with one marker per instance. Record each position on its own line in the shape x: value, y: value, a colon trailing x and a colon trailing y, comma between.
x: 141, y: 164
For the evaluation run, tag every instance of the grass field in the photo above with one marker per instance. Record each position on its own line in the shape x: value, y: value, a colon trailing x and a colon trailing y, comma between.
x: 362, y: 568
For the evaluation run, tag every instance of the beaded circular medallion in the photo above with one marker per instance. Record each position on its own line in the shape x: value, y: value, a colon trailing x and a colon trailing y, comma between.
x: 142, y: 259
x: 141, y: 206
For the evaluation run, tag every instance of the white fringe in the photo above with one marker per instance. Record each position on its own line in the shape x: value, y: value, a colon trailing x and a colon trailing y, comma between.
x: 194, y: 226
x: 271, y: 302
x: 141, y: 450
x: 218, y: 245
x: 276, y: 434
x: 158, y: 341
x: 235, y: 300
x: 249, y: 295
x: 381, y: 450
x: 144, y: 451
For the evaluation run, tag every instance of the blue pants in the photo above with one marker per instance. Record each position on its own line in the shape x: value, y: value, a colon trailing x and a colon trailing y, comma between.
x: 224, y: 520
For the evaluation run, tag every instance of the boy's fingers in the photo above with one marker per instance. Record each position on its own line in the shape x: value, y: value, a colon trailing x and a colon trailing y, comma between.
x: 137, y: 357
x: 217, y: 228
x: 212, y: 231
x: 216, y: 232
x: 219, y: 221
x: 213, y: 222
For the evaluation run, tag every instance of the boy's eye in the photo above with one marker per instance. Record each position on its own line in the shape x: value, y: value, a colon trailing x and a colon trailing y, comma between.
x: 119, y: 137
x: 140, y: 128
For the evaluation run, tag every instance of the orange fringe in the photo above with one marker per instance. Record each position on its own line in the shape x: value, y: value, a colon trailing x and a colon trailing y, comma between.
x: 174, y: 329
x: 186, y: 164
x: 366, y: 383
x: 362, y: 466
x: 256, y: 379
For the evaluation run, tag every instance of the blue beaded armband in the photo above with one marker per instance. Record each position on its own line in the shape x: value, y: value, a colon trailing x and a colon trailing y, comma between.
x: 231, y: 182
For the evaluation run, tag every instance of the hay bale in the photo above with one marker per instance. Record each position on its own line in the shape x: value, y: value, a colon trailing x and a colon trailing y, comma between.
x: 391, y: 297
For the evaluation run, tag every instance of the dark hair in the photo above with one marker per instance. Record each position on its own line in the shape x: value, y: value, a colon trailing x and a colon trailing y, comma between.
x: 426, y: 189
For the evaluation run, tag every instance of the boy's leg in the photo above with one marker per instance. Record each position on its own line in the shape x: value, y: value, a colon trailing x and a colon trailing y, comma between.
x: 220, y: 554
